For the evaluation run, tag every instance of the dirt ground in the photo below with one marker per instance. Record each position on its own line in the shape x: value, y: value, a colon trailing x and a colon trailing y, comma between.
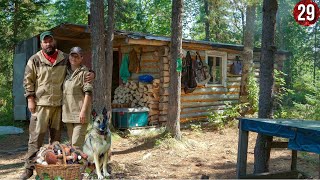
x: 203, y: 153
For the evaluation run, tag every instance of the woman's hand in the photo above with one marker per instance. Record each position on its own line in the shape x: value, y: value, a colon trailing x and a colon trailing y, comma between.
x: 82, y: 117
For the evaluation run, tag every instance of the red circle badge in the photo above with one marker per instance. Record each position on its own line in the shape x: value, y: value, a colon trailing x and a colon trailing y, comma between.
x: 306, y: 12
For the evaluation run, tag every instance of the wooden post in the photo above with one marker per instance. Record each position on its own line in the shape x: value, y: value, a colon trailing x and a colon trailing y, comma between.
x: 294, y: 160
x: 242, y: 152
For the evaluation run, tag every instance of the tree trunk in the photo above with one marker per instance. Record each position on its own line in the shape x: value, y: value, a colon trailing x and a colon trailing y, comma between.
x: 206, y: 21
x: 248, y: 50
x: 268, y: 49
x: 173, y: 123
x: 109, y: 52
x: 98, y: 54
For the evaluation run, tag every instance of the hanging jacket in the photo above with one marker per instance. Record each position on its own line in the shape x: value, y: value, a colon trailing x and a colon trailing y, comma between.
x: 188, y: 80
x: 124, y: 68
x: 133, y: 62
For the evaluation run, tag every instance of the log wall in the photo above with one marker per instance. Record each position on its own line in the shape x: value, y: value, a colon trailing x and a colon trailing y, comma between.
x: 205, y: 99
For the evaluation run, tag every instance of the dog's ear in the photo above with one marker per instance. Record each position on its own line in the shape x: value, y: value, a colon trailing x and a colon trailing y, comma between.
x: 94, y: 113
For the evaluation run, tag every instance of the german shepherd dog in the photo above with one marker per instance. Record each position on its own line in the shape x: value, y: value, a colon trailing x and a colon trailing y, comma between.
x: 98, y: 142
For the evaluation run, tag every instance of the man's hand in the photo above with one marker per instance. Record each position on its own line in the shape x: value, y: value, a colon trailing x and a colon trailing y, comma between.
x: 89, y: 77
x: 31, y: 104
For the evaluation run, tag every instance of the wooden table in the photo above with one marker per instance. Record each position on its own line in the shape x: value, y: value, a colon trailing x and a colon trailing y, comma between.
x: 302, y: 135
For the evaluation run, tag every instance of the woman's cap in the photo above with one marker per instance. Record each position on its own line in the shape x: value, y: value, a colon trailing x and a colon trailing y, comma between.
x: 76, y: 50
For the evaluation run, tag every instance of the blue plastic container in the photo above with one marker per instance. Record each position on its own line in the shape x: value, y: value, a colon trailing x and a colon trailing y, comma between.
x: 124, y: 118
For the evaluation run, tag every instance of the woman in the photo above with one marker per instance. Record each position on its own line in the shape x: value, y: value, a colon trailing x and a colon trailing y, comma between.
x: 77, y: 97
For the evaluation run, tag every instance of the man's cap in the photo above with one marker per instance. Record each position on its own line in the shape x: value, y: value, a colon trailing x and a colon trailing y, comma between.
x: 44, y: 34
x: 76, y: 50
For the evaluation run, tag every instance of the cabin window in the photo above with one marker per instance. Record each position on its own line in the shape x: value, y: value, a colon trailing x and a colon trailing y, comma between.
x: 217, y: 62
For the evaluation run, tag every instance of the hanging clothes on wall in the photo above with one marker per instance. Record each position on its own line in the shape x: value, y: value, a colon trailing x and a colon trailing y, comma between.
x: 134, y: 62
x: 124, y: 68
x: 188, y: 76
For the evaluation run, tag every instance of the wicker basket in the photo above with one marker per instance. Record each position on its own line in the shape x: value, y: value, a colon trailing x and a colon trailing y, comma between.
x: 65, y: 171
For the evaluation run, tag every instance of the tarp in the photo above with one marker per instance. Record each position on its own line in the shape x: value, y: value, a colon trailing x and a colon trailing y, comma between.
x: 124, y: 68
x: 303, y: 135
x: 10, y: 130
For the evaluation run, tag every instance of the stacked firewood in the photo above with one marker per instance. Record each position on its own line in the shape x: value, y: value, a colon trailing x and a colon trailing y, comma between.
x: 139, y: 94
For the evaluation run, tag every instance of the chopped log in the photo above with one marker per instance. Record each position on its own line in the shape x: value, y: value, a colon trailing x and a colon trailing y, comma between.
x: 153, y: 112
x: 140, y: 89
x: 149, y: 86
x: 157, y: 81
x: 153, y: 106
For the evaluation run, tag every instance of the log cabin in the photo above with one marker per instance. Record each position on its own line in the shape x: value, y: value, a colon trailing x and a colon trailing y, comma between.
x: 153, y: 54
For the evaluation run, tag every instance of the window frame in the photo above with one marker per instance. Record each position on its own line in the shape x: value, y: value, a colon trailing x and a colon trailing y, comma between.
x: 224, y: 62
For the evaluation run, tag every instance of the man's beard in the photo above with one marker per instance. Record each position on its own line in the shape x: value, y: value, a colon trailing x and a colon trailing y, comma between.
x: 50, y: 50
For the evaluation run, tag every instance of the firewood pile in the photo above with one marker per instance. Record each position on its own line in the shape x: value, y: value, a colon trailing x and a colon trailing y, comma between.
x: 138, y: 94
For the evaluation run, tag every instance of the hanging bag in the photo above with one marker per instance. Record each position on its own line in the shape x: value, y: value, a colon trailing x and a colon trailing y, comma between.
x: 236, y: 67
x: 133, y: 61
x: 188, y: 75
x: 202, y: 71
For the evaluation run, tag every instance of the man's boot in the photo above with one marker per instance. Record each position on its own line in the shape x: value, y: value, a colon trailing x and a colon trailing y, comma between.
x: 26, y: 174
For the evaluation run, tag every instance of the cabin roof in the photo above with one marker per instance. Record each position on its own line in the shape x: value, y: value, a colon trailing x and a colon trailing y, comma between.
x: 76, y: 31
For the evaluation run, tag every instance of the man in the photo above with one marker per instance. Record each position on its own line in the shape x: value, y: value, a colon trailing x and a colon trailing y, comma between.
x: 44, y: 75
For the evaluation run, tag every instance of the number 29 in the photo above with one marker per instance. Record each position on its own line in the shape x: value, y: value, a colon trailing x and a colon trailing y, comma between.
x: 309, y: 9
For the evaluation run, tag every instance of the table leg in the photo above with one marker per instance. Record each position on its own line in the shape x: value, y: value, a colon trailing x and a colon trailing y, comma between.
x: 294, y: 160
x: 242, y: 152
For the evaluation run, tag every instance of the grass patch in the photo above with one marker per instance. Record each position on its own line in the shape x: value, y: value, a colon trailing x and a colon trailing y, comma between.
x: 309, y: 157
x: 21, y: 124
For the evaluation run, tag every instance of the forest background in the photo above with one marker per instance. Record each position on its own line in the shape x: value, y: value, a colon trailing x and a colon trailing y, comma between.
x: 225, y: 19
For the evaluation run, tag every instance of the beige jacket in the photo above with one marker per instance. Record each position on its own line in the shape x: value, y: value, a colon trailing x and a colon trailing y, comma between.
x: 43, y: 80
x: 74, y: 90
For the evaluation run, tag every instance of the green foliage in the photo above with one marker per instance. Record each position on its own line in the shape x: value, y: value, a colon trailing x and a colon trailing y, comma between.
x: 6, y: 98
x: 164, y: 138
x: 196, y: 128
x: 70, y: 11
x: 222, y: 118
x: 225, y: 21
x: 301, y: 102
x: 144, y: 16
x: 17, y: 21
x: 253, y: 92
